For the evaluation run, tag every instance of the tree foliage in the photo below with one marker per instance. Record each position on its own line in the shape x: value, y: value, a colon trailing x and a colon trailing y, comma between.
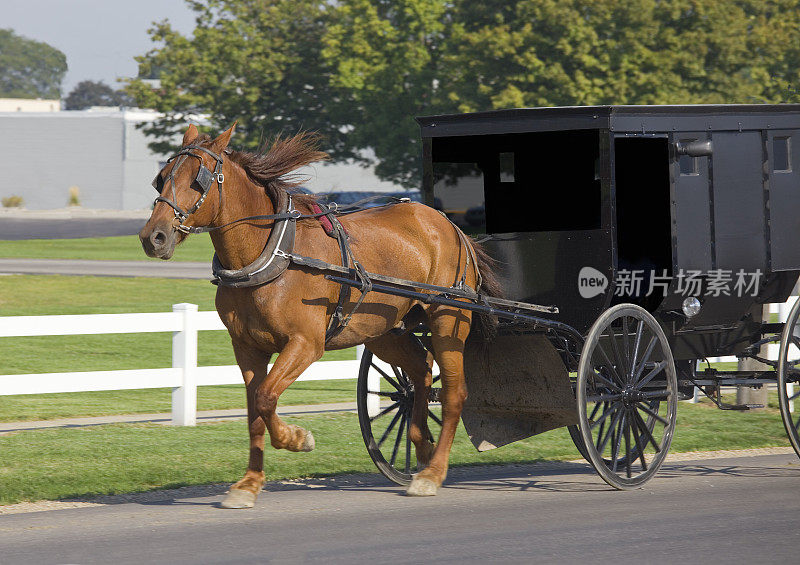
x: 88, y: 93
x: 255, y: 61
x: 360, y: 70
x: 28, y: 68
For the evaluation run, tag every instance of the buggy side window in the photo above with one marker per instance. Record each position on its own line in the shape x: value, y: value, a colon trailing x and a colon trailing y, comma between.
x: 782, y: 154
x: 458, y: 191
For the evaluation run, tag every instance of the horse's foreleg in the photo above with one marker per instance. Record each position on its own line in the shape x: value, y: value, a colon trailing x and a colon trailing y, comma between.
x: 449, y: 330
x: 253, y: 364
x: 295, y: 358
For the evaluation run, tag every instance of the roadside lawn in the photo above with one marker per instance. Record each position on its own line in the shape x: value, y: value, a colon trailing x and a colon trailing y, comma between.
x: 122, y: 248
x: 39, y: 295
x: 63, y: 463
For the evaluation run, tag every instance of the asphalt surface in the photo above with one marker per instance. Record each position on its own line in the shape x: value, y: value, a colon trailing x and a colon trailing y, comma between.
x: 736, y: 510
x: 40, y: 226
x: 159, y: 269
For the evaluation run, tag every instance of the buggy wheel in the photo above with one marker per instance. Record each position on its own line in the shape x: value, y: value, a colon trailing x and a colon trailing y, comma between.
x: 385, y: 399
x: 789, y: 374
x: 627, y: 396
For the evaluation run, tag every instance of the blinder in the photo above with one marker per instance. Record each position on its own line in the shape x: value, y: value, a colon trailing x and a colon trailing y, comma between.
x: 204, y: 180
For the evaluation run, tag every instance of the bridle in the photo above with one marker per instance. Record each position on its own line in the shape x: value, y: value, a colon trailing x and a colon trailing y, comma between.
x: 204, y: 179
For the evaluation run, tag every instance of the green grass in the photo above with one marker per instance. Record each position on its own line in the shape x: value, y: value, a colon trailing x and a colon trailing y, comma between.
x: 62, y: 463
x: 39, y: 295
x: 122, y: 248
x: 26, y: 407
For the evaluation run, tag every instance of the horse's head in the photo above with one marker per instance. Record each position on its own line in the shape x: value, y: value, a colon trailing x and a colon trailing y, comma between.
x: 189, y: 187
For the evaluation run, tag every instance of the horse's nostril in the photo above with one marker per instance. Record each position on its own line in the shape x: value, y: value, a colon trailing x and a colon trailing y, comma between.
x: 159, y: 238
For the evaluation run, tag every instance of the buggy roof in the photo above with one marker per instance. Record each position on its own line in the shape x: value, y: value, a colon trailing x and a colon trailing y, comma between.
x: 624, y: 119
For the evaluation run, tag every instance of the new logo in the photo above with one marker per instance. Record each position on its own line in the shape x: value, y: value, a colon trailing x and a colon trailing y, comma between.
x: 591, y: 282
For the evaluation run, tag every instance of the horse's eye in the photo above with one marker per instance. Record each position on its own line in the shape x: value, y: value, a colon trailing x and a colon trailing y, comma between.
x: 158, y: 183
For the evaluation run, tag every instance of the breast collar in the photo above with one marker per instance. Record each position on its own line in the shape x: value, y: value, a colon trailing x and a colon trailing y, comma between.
x: 274, y: 259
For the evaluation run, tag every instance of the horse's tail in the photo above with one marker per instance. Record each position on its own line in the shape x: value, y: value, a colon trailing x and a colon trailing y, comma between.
x: 486, y: 324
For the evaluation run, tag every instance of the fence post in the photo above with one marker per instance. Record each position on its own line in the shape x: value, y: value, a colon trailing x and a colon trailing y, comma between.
x: 373, y: 383
x: 184, y: 356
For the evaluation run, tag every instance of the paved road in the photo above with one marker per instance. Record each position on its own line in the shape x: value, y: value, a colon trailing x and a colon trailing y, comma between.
x: 160, y: 269
x: 743, y: 510
x: 24, y: 227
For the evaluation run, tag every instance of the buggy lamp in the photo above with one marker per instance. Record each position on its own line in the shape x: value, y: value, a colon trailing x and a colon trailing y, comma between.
x: 691, y: 306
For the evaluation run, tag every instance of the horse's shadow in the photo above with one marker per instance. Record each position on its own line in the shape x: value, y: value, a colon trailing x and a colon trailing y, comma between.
x: 555, y: 476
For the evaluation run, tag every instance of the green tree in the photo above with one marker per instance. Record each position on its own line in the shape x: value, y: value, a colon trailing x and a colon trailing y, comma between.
x: 360, y: 70
x: 255, y: 61
x: 28, y: 68
x: 88, y: 93
x: 386, y: 59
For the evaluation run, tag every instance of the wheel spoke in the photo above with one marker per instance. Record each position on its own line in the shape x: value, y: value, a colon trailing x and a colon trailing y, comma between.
x: 400, y: 431
x: 384, y: 411
x: 645, y: 358
x: 617, y: 355
x: 627, y: 433
x: 661, y: 394
x: 387, y: 377
x: 400, y: 375
x: 794, y: 396
x: 605, y: 381
x: 637, y: 440
x: 660, y: 366
x: 649, y: 412
x: 615, y: 443
x: 645, y: 431
x: 433, y: 416
x: 614, y: 420
x: 390, y: 428
x: 636, y: 342
x: 611, y: 365
x: 604, y: 397
x: 606, y: 412
x: 380, y: 393
x: 626, y: 346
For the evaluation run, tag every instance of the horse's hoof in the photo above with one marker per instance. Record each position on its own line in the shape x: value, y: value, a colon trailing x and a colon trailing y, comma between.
x: 238, y: 498
x: 422, y: 487
x: 309, y: 444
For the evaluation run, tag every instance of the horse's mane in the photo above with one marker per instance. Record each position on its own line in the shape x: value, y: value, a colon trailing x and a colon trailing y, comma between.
x: 271, y: 166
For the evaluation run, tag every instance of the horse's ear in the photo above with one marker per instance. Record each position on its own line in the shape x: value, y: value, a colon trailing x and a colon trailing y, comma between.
x: 190, y: 135
x: 223, y: 139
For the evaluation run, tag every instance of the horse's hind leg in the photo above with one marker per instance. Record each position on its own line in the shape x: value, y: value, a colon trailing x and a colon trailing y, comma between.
x: 449, y: 331
x: 405, y: 351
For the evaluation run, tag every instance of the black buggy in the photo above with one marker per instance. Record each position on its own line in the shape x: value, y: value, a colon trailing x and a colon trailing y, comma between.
x: 657, y: 234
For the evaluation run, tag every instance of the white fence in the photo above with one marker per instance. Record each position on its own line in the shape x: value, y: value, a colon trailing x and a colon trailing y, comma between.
x: 183, y: 377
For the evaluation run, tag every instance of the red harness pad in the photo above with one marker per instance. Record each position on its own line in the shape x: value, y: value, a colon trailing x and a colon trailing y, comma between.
x: 326, y: 223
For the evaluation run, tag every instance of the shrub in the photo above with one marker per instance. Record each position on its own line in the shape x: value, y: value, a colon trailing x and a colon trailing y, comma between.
x: 12, y: 202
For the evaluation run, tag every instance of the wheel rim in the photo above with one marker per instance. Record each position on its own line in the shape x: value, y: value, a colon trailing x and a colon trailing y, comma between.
x: 385, y: 428
x: 789, y: 374
x: 626, y: 393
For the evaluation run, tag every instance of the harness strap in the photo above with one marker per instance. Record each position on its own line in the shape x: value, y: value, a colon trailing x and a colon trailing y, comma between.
x: 333, y: 208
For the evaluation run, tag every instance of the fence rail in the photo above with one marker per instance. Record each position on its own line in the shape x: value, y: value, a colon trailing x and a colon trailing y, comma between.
x: 183, y: 377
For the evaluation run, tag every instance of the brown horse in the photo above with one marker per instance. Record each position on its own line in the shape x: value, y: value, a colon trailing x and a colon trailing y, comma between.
x: 289, y: 315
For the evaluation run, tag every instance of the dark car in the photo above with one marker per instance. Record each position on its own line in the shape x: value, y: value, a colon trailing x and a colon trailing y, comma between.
x: 348, y: 198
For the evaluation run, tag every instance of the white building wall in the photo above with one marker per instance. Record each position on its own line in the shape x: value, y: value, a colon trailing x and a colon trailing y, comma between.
x: 104, y: 154
x: 29, y: 105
